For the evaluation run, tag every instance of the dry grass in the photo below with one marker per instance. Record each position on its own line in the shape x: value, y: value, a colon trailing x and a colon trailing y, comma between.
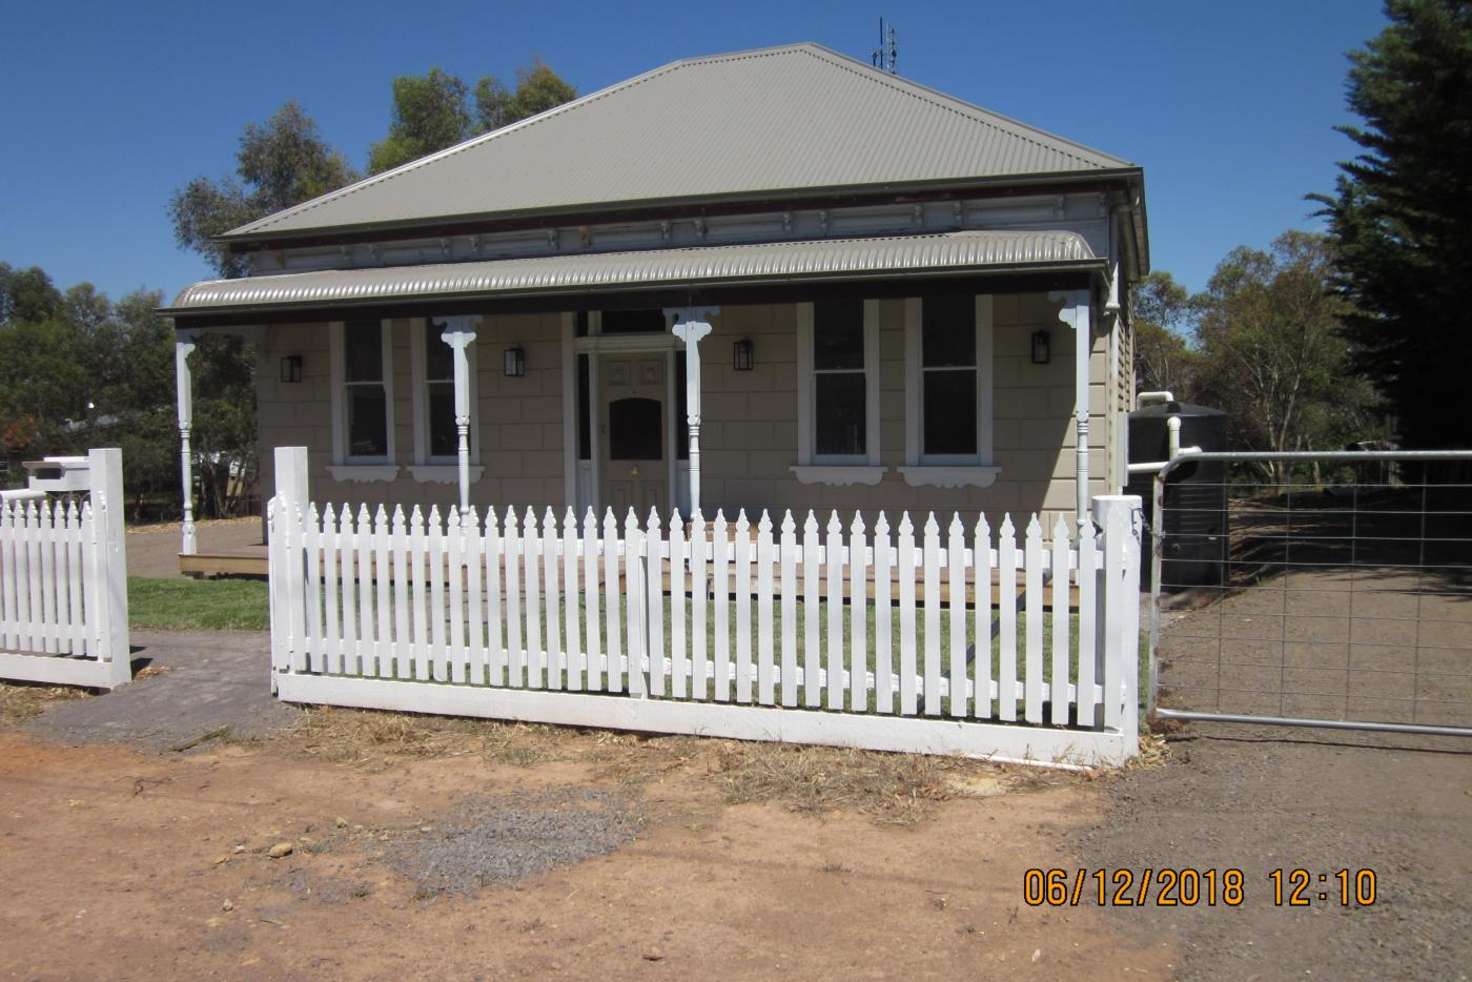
x: 20, y: 701
x: 375, y: 738
x: 899, y: 789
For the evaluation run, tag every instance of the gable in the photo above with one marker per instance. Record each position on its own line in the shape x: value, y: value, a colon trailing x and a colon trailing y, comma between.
x: 771, y: 121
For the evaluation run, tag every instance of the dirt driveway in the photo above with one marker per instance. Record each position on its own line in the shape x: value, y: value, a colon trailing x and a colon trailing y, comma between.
x: 455, y: 849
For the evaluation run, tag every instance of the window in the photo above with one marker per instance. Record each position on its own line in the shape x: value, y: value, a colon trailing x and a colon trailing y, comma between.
x: 651, y: 321
x: 682, y: 410
x: 948, y: 382
x: 838, y: 392
x: 362, y: 393
x: 439, y: 389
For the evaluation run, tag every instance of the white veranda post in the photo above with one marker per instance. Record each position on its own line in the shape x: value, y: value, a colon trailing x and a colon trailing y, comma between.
x: 458, y: 336
x: 184, y: 384
x: 691, y: 325
x: 1076, y: 314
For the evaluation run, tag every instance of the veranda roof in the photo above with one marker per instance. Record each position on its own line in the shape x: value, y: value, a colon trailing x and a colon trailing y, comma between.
x: 724, y: 265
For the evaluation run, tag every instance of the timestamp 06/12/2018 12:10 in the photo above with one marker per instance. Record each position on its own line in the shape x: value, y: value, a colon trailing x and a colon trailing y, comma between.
x: 1190, y: 886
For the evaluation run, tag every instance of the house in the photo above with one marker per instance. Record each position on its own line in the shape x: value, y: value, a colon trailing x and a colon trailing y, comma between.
x: 774, y: 279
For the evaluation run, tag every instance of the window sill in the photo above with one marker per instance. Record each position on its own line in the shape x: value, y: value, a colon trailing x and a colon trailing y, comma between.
x: 840, y: 475
x: 950, y: 476
x: 363, y: 473
x: 443, y: 473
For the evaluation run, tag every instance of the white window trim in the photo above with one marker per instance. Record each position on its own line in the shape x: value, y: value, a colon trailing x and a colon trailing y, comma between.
x: 424, y: 462
x: 344, y: 467
x: 948, y: 470
x: 813, y: 468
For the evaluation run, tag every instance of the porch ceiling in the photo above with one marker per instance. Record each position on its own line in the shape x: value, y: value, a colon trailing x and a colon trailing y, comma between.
x: 758, y: 263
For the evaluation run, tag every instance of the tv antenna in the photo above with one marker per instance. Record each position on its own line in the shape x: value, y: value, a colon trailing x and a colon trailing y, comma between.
x: 888, y: 53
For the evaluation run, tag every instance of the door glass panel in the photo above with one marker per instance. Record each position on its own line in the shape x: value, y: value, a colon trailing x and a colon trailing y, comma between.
x: 635, y: 430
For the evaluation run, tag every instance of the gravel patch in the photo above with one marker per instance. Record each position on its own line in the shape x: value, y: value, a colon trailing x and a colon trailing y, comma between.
x: 493, y: 840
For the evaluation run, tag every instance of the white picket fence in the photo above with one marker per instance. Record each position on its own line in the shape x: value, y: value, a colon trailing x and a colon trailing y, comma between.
x: 816, y: 635
x: 63, y: 586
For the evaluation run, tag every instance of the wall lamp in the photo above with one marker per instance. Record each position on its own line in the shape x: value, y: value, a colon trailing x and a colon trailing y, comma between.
x: 514, y: 362
x: 1042, y: 347
x: 291, y: 368
x: 743, y: 355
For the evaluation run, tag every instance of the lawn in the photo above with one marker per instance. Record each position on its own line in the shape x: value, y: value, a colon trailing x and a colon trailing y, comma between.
x: 197, y: 605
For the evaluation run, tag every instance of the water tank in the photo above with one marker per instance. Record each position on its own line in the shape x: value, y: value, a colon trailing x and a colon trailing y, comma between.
x: 1195, y: 516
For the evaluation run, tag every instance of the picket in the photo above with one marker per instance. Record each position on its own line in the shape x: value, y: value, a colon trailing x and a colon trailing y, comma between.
x: 858, y: 606
x: 572, y: 657
x: 742, y: 556
x: 720, y: 547
x: 1007, y: 621
x: 1060, y: 673
x: 788, y: 553
x: 1033, y: 598
x: 883, y: 618
x: 833, y: 558
x: 570, y: 609
x: 981, y: 619
x: 811, y: 656
x: 765, y: 653
x: 679, y: 654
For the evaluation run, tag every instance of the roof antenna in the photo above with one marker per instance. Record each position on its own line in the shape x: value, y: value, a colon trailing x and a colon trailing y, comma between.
x: 887, y: 54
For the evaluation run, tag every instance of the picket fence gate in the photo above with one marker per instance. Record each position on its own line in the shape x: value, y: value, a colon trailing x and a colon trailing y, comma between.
x: 63, y: 585
x: 826, y: 635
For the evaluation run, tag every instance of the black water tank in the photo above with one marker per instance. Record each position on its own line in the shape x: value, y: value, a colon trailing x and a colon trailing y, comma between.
x: 1195, y: 495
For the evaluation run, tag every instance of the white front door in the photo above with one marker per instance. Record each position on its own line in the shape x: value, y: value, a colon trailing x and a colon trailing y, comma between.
x: 633, y: 425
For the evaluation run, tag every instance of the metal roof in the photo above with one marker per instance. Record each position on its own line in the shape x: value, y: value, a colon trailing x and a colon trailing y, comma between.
x: 775, y: 120
x: 766, y: 262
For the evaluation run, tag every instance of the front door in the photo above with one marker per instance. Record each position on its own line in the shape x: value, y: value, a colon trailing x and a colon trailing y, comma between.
x: 635, y: 472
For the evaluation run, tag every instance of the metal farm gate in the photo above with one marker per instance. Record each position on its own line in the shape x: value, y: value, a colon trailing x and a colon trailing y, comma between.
x: 1313, y: 589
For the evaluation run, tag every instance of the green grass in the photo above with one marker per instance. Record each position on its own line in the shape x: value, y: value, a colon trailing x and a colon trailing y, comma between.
x: 198, y: 605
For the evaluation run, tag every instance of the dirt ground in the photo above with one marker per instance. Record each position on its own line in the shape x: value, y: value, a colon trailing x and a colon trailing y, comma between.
x: 123, y: 857
x: 153, y: 550
x: 121, y: 864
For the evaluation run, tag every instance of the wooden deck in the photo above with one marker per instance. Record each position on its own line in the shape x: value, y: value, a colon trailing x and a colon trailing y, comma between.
x: 249, y: 561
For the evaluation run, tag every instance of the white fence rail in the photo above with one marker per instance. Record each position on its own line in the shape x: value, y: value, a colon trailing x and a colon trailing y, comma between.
x: 818, y: 634
x: 63, y: 585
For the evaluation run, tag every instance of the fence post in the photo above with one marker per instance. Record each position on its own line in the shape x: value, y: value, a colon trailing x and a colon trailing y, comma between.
x: 105, y: 470
x: 1117, y: 625
x: 284, y: 582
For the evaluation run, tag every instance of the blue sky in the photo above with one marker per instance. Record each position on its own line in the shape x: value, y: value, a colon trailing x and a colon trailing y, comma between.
x: 108, y: 107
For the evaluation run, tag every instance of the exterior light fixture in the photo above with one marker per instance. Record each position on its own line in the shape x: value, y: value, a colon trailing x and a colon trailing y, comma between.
x: 1042, y: 347
x: 291, y: 368
x: 514, y: 364
x: 743, y: 355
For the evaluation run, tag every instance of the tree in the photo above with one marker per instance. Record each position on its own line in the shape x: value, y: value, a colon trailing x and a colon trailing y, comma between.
x: 433, y: 111
x: 1272, y: 353
x: 281, y: 162
x: 1401, y: 216
x: 429, y: 114
x: 538, y: 89
x: 1160, y: 314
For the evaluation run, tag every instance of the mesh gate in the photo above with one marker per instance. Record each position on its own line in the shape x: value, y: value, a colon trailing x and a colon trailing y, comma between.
x: 1316, y: 589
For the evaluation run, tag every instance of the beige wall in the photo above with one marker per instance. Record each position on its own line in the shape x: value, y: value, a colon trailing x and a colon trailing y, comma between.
x: 749, y: 433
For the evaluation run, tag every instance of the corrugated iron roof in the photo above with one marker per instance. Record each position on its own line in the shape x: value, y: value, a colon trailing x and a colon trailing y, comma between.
x: 773, y: 120
x: 756, y: 263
